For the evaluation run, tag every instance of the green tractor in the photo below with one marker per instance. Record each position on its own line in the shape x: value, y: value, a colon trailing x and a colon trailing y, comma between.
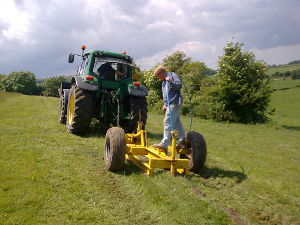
x: 106, y: 88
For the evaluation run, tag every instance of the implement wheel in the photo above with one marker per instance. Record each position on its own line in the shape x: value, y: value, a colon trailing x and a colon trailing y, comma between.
x: 79, y: 112
x: 63, y: 106
x: 198, y: 153
x: 114, y: 149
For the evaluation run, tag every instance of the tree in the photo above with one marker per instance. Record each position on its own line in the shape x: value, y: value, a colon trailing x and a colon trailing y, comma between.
x: 50, y: 85
x: 191, y: 73
x: 154, y: 87
x: 243, y: 87
x: 176, y: 61
x: 22, y: 82
x: 137, y: 73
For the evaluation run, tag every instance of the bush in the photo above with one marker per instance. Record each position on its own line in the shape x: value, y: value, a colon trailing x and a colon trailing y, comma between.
x: 22, y: 82
x: 50, y: 85
x: 154, y: 100
x: 243, y: 89
x: 205, y: 103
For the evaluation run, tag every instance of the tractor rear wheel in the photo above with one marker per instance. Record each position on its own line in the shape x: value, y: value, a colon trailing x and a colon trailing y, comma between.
x: 114, y: 149
x: 197, y: 157
x: 79, y: 112
x: 63, y: 106
x: 138, y: 112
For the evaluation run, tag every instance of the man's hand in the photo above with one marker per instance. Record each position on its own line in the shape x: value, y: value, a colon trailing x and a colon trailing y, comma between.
x: 167, y: 78
x: 165, y: 108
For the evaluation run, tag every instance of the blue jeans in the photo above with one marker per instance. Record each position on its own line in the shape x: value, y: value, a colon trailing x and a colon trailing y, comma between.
x: 175, y: 110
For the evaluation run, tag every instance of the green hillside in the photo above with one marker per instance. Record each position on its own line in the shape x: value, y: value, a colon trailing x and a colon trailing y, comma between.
x: 286, y: 102
x: 283, y: 68
x: 273, y: 70
x: 48, y: 176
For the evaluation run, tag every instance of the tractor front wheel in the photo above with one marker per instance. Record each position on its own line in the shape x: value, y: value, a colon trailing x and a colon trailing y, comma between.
x: 114, y: 149
x: 79, y: 112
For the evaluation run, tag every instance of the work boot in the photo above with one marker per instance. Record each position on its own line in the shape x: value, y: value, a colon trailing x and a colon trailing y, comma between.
x: 162, y: 147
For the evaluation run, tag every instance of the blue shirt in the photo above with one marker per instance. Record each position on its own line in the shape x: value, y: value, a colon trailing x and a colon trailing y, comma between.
x: 174, y: 86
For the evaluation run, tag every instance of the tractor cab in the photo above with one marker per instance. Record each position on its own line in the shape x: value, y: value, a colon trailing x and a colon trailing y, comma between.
x: 99, y: 65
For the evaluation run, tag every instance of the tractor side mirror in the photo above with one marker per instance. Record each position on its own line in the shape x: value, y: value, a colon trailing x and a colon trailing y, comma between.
x: 71, y: 58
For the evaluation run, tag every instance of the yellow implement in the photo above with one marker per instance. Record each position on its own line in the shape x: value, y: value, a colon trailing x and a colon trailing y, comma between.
x: 134, y: 147
x: 137, y: 146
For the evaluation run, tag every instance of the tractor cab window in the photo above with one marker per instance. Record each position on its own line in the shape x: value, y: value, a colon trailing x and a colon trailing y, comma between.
x: 110, y: 69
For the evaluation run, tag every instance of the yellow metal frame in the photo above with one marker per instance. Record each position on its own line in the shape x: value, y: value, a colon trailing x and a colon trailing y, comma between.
x: 137, y: 146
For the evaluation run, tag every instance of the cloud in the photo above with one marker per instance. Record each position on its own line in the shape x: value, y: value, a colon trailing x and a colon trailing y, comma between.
x: 38, y: 35
x: 15, y: 23
x: 197, y: 50
x: 278, y: 55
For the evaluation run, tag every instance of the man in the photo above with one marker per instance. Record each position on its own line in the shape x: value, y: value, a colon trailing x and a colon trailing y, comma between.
x: 175, y: 99
x: 107, y: 72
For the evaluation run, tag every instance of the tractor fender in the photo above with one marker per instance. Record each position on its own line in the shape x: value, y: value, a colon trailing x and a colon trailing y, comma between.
x: 63, y: 87
x: 66, y: 93
x: 140, y: 91
x: 84, y: 86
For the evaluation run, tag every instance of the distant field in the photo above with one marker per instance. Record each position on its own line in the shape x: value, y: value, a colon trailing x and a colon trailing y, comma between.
x: 283, y: 69
x: 48, y: 176
x: 286, y: 101
x: 273, y: 70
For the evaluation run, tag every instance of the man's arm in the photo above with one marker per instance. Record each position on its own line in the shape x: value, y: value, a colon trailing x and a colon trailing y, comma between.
x: 174, y: 81
x: 119, y: 73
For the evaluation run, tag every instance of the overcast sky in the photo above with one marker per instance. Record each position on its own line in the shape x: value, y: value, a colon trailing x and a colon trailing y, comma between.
x: 38, y: 35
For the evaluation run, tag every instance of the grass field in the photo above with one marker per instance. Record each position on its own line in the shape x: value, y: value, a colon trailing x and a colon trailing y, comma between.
x: 48, y: 176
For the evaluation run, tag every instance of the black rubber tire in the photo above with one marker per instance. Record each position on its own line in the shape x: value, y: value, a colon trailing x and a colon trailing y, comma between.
x: 63, y: 106
x: 137, y: 104
x: 198, y: 151
x: 83, y: 108
x: 114, y: 149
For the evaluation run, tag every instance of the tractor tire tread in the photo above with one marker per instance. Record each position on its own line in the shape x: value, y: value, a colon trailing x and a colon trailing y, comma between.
x: 62, y: 110
x: 82, y: 111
